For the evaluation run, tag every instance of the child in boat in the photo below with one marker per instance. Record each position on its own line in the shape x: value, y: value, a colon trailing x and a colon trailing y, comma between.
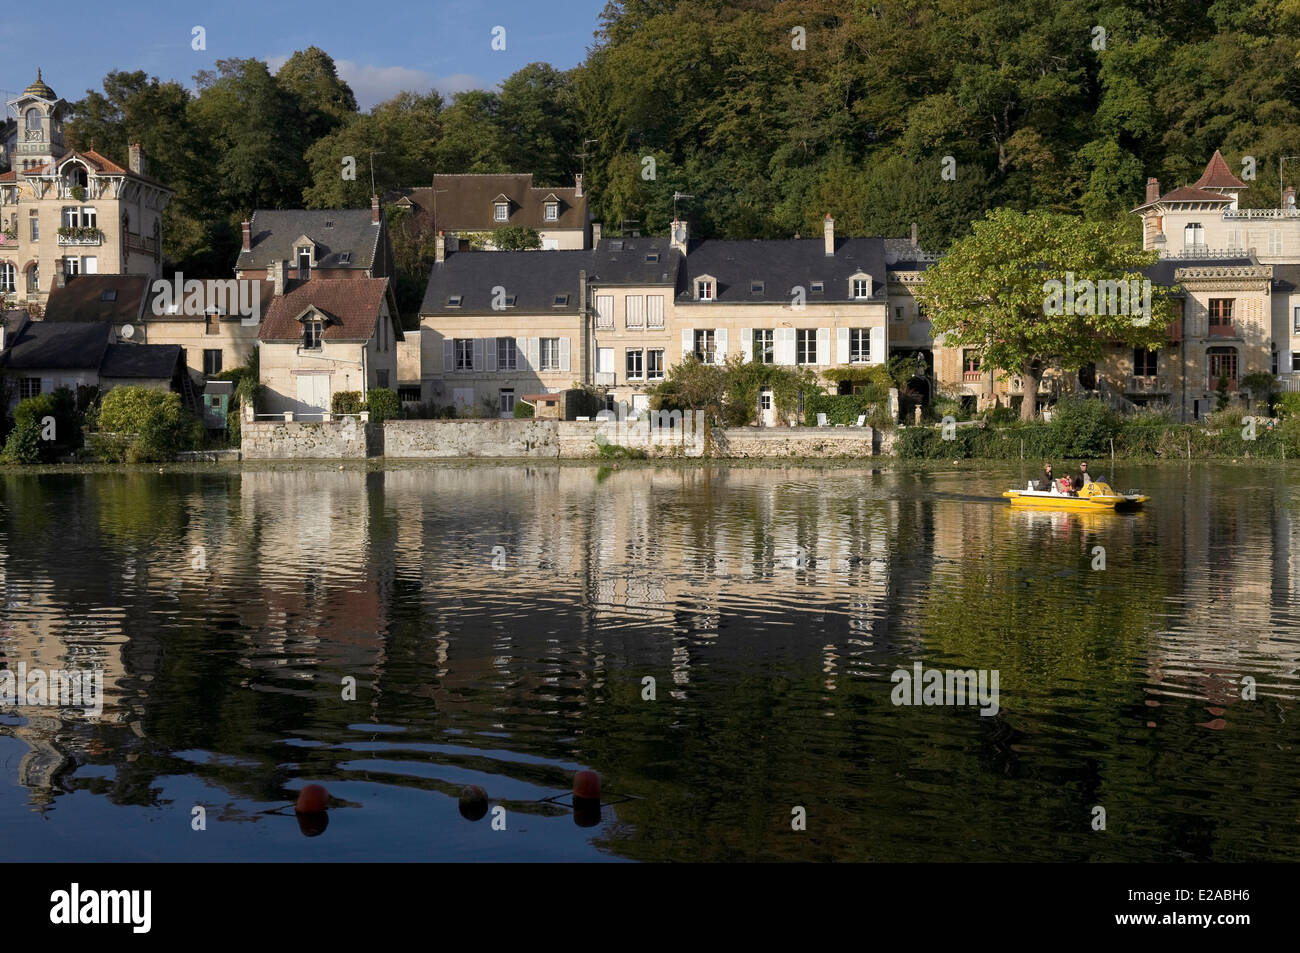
x: 1067, y: 489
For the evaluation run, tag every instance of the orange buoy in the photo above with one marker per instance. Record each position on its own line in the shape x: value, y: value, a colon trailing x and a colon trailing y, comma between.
x: 312, y: 800
x: 586, y: 785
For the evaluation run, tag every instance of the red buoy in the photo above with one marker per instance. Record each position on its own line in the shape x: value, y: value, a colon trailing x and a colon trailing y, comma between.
x: 312, y: 800
x: 586, y: 785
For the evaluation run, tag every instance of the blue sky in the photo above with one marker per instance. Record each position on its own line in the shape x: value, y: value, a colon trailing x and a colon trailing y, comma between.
x: 381, y: 47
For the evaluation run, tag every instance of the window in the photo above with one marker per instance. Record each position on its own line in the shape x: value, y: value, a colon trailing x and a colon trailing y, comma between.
x: 560, y: 301
x: 464, y: 353
x: 970, y: 362
x: 704, y: 290
x: 88, y: 218
x: 651, y: 256
x: 1221, y: 315
x: 311, y: 334
x: 862, y: 287
x: 211, y: 361
x: 381, y: 378
x: 705, y: 342
x: 453, y: 301
x: 71, y: 266
x: 654, y: 311
x: 345, y: 258
x: 1144, y: 362
x: 605, y: 312
x: 304, y: 263
x: 552, y: 211
x: 654, y: 363
x: 501, y: 212
x: 71, y: 217
x: 634, y: 311
x: 9, y: 280
x: 805, y: 346
x: 635, y: 365
x: 507, y: 401
x: 507, y: 353
x: 764, y: 346
x: 1275, y: 241
x: 818, y: 287
x: 1222, y: 363
x: 512, y: 300
x: 36, y: 226
x: 859, y: 345
x: 756, y: 287
x: 898, y: 312
x: 29, y: 387
x: 765, y: 400
x: 550, y: 354
x: 1295, y: 320
x: 409, y: 395
x: 1234, y: 239
x: 109, y: 294
x: 33, y: 279
x: 1295, y: 361
x: 1193, y: 234
x: 34, y: 121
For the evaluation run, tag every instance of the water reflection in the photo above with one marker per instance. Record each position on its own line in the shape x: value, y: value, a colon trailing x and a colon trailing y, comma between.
x: 717, y: 643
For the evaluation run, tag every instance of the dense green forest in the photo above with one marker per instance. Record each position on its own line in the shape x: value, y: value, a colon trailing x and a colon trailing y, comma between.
x: 769, y: 112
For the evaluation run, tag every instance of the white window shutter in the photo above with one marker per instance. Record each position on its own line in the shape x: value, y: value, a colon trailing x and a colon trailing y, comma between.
x: 533, y: 360
x: 490, y: 355
x: 877, y: 345
x: 720, y: 346
x: 823, y: 346
x: 478, y: 354
x: 842, y: 345
x: 746, y: 344
x: 785, y: 346
x: 564, y: 354
x: 448, y: 355
x: 688, y: 342
x: 521, y: 356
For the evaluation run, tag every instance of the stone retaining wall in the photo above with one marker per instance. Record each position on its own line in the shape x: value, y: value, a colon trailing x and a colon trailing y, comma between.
x: 302, y: 440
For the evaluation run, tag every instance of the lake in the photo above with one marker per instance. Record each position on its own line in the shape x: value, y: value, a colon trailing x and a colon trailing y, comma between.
x: 720, y: 643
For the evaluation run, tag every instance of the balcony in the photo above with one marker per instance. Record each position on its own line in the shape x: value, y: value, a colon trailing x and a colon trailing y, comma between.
x: 1146, y: 384
x: 972, y: 377
x: 139, y: 243
x: 80, y: 235
x: 1194, y: 252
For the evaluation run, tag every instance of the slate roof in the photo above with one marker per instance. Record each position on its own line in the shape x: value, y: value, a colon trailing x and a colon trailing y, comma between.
x: 152, y: 361
x: 58, y: 346
x: 1286, y: 278
x: 467, y: 202
x: 274, y: 232
x: 1189, y: 193
x: 1162, y: 272
x: 535, y: 278
x: 781, y: 265
x: 351, y: 307
x: 83, y: 299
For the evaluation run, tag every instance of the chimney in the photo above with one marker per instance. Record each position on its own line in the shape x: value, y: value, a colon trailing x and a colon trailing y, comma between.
x: 828, y: 233
x: 595, y: 234
x: 680, y: 236
x: 1288, y: 197
x: 440, y: 247
x: 248, y: 236
x: 137, y: 161
x: 277, y: 271
x: 60, y: 275
x: 374, y: 209
x: 916, y: 237
x: 1153, y: 189
x: 577, y: 186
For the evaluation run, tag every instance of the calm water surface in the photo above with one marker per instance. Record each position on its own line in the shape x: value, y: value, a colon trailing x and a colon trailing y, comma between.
x: 499, y: 623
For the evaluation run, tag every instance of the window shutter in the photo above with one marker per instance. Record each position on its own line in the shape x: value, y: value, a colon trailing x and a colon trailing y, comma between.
x: 564, y: 354
x: 533, y: 361
x: 478, y: 354
x: 655, y: 311
x: 521, y: 359
x: 448, y: 355
x: 877, y: 345
x: 823, y: 346
x: 746, y: 344
x: 490, y: 355
x: 720, y: 345
x: 785, y: 346
x: 688, y: 342
x: 842, y: 345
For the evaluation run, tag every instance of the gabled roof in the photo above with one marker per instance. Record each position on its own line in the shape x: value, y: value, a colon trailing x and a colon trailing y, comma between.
x: 46, y: 345
x: 1217, y: 175
x: 465, y: 202
x: 535, y: 278
x: 783, y: 264
x: 274, y: 232
x: 83, y: 298
x: 354, y: 303
x: 152, y: 361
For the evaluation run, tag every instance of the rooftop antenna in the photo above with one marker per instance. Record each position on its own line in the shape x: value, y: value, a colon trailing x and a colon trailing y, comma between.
x: 583, y: 156
x: 676, y: 196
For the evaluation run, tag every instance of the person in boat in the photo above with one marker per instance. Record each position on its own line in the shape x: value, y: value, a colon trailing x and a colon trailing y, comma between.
x: 1046, y: 481
x: 1065, y: 486
x: 1082, y: 478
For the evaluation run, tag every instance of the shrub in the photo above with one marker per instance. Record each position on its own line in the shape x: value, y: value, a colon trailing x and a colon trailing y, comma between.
x: 31, y: 442
x: 1082, y: 428
x: 158, y: 425
x: 346, y: 402
x: 383, y: 404
x: 839, y: 408
x: 522, y: 410
x: 1288, y: 405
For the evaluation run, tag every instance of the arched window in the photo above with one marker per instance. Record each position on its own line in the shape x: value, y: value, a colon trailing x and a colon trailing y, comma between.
x: 35, y: 122
x: 33, y: 278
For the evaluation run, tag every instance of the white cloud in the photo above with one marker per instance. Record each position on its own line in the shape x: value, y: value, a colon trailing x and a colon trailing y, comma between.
x: 374, y: 84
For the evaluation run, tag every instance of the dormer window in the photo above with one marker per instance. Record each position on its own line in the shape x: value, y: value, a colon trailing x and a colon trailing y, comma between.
x: 861, y: 285
x: 560, y: 301
x: 511, y: 300
x: 704, y: 289
x: 345, y: 258
x: 552, y: 211
x: 453, y: 301
x: 501, y: 211
x: 304, y: 262
x: 756, y: 287
x: 652, y: 256
x: 818, y: 287
x: 312, y: 329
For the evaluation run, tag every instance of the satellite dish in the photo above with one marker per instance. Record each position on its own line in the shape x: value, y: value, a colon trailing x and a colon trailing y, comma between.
x: 128, y: 331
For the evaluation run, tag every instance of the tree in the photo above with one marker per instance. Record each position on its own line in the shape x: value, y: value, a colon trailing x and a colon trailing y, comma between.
x: 1014, y: 292
x: 324, y: 101
x: 516, y: 238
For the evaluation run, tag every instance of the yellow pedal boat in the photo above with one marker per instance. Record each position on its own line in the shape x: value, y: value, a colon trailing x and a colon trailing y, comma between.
x: 1094, y: 496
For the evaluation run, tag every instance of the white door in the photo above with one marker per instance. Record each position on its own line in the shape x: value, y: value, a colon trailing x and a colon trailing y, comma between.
x: 313, y: 395
x: 766, y: 410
